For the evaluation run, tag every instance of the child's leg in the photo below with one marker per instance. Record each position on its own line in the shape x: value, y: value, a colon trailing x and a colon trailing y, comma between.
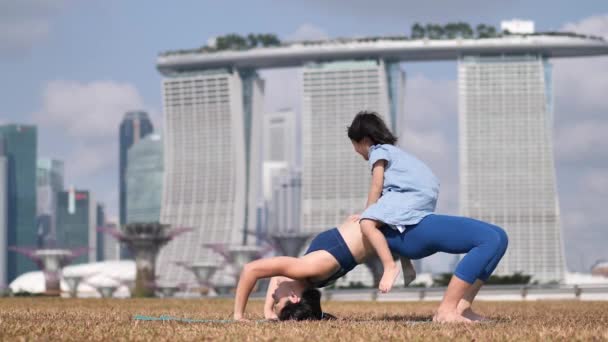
x: 371, y: 231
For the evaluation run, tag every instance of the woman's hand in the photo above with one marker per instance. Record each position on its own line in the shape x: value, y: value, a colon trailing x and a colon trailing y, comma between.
x: 271, y: 316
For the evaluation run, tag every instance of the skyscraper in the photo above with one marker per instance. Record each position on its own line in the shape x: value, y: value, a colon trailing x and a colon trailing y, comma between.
x: 134, y: 126
x: 145, y: 180
x: 280, y: 136
x: 212, y: 165
x: 20, y: 143
x: 77, y: 222
x: 100, y: 247
x: 3, y: 215
x: 49, y: 176
x: 335, y: 179
x: 507, y: 173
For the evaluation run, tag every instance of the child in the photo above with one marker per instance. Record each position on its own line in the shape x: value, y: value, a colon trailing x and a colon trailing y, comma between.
x: 403, y: 190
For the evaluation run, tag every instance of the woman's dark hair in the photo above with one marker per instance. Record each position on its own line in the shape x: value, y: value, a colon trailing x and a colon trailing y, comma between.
x: 371, y: 125
x: 307, y: 309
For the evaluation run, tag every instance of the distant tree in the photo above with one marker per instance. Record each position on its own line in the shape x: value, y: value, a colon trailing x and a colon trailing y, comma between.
x: 418, y: 31
x: 231, y: 42
x: 269, y: 40
x: 485, y: 31
x: 252, y: 40
x: 434, y: 31
x: 465, y: 30
x: 451, y: 31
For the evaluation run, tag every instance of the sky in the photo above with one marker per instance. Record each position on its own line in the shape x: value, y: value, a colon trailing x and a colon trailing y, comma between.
x: 73, y: 67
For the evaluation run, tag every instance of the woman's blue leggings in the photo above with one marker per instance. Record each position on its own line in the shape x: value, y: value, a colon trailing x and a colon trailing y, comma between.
x: 483, y: 243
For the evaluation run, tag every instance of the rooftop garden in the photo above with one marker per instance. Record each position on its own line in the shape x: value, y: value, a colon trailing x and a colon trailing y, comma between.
x: 459, y: 30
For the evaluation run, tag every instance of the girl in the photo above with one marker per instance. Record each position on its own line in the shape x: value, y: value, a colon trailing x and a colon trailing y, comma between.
x: 403, y: 189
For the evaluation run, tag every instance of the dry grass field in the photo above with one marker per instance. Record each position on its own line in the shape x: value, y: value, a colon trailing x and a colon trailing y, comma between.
x: 48, y: 319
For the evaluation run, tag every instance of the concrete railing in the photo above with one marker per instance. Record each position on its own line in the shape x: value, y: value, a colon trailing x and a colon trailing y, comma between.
x: 489, y: 292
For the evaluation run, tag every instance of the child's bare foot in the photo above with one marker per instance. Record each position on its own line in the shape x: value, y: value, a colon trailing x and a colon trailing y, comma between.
x: 389, y: 277
x: 473, y: 316
x: 450, y: 317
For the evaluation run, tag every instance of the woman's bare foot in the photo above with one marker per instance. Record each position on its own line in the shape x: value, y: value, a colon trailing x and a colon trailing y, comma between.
x: 389, y: 277
x: 450, y: 317
x: 473, y: 316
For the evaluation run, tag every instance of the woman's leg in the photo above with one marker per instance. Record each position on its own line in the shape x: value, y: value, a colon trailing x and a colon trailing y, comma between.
x: 371, y: 231
x: 466, y: 303
x: 448, y: 308
x: 483, y: 244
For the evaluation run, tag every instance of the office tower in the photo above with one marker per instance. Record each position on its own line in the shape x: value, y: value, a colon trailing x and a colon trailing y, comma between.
x: 49, y: 181
x: 111, y: 247
x: 212, y: 163
x: 335, y: 179
x: 134, y: 126
x: 145, y: 180
x: 280, y: 136
x: 77, y: 222
x: 507, y: 173
x: 100, y: 242
x: 20, y: 143
x: 284, y: 210
x: 3, y: 216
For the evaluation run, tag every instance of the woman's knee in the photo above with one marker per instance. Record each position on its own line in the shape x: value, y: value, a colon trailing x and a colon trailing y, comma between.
x: 499, y: 239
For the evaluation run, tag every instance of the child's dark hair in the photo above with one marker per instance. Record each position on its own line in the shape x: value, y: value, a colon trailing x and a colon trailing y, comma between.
x: 371, y: 125
x: 307, y: 309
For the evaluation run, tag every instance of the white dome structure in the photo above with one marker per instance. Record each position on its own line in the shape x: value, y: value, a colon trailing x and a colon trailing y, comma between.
x: 116, y: 273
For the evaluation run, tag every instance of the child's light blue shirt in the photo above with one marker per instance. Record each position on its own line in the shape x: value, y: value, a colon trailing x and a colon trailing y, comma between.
x: 409, y: 192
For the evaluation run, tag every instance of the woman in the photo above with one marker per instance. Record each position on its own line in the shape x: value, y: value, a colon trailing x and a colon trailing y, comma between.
x: 292, y: 291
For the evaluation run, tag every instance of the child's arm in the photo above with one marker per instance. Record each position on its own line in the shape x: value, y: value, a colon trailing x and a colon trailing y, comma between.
x: 269, y: 302
x: 375, y: 189
x: 295, y: 268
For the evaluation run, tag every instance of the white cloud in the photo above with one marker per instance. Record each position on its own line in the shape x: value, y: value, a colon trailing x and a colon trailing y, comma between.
x: 87, y: 110
x: 308, y: 32
x: 581, y: 141
x: 25, y: 23
x: 595, y: 25
x: 595, y: 181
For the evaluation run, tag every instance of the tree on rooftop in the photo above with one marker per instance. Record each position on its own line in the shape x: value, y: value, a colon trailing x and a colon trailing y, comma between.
x: 418, y: 31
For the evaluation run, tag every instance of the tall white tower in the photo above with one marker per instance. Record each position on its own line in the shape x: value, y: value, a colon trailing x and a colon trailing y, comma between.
x: 507, y: 172
x: 212, y: 163
x: 335, y: 180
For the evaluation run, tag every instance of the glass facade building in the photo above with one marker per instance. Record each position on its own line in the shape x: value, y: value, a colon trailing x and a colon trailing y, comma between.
x: 134, y: 126
x: 212, y: 150
x: 77, y: 223
x: 3, y: 216
x: 100, y: 243
x: 49, y: 181
x: 145, y: 180
x: 20, y: 145
x: 335, y: 179
x: 507, y: 171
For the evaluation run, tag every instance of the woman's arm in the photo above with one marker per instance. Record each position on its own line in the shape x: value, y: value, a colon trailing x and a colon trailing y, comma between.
x: 269, y: 302
x: 375, y: 189
x: 295, y: 268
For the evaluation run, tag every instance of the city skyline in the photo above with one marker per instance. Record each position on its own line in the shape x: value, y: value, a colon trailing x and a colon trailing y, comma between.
x: 581, y: 173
